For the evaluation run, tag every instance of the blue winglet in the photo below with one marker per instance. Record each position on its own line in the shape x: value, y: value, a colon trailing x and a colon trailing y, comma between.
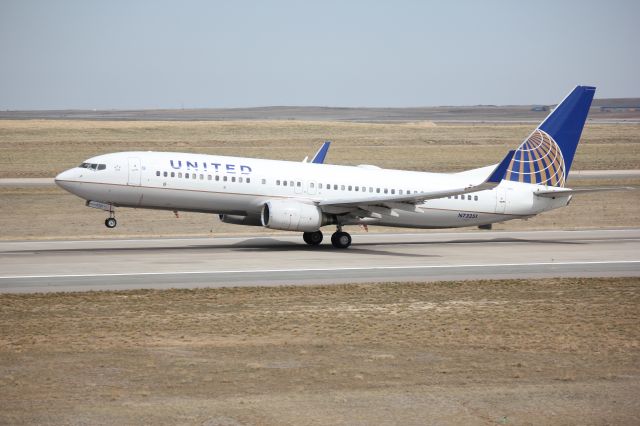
x: 501, y: 169
x: 322, y: 153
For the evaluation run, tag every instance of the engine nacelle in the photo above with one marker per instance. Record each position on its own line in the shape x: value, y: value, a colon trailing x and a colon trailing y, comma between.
x: 293, y: 216
x: 236, y: 219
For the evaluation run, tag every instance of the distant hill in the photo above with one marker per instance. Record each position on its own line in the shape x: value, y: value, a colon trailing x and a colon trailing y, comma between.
x: 617, y: 102
x: 614, y: 110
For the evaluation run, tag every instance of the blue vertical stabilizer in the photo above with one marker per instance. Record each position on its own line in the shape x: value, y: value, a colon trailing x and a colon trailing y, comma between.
x: 546, y: 156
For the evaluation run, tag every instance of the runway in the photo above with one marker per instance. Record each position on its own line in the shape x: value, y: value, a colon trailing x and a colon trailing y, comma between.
x: 45, y: 266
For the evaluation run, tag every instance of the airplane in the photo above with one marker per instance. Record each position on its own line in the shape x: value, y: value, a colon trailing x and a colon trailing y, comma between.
x: 306, y: 196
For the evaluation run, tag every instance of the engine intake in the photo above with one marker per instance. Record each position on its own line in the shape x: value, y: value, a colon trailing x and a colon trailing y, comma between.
x: 293, y: 216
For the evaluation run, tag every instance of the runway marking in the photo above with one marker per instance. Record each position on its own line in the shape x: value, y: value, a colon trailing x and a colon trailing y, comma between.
x: 490, y: 265
x: 289, y: 236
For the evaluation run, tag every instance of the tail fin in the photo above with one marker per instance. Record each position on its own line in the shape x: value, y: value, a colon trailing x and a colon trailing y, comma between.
x: 545, y: 157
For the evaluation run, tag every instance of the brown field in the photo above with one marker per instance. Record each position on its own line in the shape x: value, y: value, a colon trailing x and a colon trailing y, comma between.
x: 507, y: 352
x: 41, y: 148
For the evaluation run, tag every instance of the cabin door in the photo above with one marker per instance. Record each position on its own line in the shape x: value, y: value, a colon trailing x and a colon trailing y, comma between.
x: 134, y: 172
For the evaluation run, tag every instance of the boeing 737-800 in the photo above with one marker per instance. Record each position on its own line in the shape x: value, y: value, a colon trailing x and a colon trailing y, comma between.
x: 305, y: 196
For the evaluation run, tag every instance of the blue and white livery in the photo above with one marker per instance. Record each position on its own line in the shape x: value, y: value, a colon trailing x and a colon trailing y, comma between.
x: 305, y: 196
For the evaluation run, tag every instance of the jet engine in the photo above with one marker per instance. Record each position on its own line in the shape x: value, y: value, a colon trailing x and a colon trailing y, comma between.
x: 293, y: 216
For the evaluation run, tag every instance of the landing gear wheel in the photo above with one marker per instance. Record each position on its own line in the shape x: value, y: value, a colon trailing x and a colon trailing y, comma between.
x: 110, y: 222
x: 341, y: 239
x: 312, y: 238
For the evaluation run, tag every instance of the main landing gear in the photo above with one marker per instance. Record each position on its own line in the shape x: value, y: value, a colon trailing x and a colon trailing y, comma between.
x: 339, y: 239
x: 312, y: 238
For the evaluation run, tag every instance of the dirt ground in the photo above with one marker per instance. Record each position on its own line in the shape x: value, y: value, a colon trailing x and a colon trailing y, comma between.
x: 563, y: 351
x: 506, y: 352
x: 44, y: 148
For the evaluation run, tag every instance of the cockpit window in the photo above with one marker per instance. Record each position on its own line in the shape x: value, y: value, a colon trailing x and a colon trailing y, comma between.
x: 93, y: 166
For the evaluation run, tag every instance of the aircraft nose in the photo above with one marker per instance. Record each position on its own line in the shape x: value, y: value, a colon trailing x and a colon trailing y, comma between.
x: 63, y: 180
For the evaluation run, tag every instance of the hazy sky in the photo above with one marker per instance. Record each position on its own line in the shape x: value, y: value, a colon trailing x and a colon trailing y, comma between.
x: 198, y: 54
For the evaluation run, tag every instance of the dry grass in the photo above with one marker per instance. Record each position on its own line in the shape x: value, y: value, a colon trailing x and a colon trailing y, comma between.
x: 42, y: 148
x: 531, y: 352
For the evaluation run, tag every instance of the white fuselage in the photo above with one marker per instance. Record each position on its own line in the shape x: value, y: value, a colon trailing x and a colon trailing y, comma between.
x: 241, y: 186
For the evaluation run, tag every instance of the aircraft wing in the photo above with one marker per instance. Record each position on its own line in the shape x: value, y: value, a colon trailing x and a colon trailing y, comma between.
x: 562, y: 192
x: 409, y: 201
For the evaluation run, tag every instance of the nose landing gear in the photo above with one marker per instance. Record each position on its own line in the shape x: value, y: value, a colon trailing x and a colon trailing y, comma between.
x: 110, y: 222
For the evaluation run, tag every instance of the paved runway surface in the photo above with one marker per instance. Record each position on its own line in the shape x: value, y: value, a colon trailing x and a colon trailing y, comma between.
x: 40, y: 266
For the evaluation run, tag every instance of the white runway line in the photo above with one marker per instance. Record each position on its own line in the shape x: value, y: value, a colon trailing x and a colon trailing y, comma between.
x: 368, y: 268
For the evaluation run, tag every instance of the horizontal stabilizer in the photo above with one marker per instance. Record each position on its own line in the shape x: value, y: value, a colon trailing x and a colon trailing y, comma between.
x: 561, y: 192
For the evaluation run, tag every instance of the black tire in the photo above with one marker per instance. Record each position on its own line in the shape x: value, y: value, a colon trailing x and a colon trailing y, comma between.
x: 110, y: 222
x: 312, y: 238
x: 341, y: 240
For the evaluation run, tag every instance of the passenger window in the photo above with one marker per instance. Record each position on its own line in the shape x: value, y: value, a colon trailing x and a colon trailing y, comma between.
x: 233, y: 178
x: 201, y: 177
x: 291, y: 183
x: 299, y: 184
x: 173, y: 174
x: 224, y: 178
x: 386, y: 191
x: 469, y: 197
x: 377, y: 190
x: 277, y: 182
x: 208, y: 177
x: 350, y: 187
x: 284, y: 183
x: 400, y: 192
x: 248, y: 180
x: 371, y: 189
x: 217, y: 178
x: 475, y: 198
x: 310, y: 185
x: 179, y: 174
x: 158, y: 173
x: 186, y: 175
x: 335, y: 187
x: 239, y: 180
x: 194, y: 176
x: 165, y: 174
x: 357, y: 188
x: 342, y: 187
x: 264, y: 181
x: 393, y: 191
